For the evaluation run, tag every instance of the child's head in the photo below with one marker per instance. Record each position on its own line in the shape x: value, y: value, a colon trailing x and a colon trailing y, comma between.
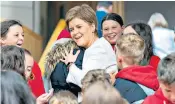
x: 101, y: 92
x: 112, y: 26
x: 129, y: 50
x: 63, y: 97
x: 17, y: 59
x: 57, y: 52
x: 29, y: 62
x: 12, y: 58
x: 166, y: 76
x: 12, y: 33
x: 93, y: 76
x: 144, y: 30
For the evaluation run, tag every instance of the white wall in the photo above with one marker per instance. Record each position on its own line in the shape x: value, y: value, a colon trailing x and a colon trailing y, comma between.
x: 27, y: 12
x: 142, y: 10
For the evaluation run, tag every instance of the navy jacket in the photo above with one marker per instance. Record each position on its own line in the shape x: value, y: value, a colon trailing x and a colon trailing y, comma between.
x: 129, y: 90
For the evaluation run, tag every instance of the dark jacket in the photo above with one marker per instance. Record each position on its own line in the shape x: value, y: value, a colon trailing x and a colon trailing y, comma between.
x: 59, y: 75
x: 134, y: 83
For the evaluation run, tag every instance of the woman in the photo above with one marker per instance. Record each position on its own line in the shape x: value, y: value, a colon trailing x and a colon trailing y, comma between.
x: 12, y: 34
x: 112, y: 26
x: 163, y: 38
x: 145, y: 32
x: 81, y: 21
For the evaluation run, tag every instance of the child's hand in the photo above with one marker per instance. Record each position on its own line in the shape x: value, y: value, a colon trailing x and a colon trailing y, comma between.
x: 112, y: 75
x: 44, y: 98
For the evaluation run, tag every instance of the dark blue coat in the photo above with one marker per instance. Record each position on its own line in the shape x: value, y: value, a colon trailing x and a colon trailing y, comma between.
x: 129, y: 90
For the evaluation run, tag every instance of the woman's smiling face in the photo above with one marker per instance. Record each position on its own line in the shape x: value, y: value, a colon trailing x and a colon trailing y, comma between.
x: 82, y: 32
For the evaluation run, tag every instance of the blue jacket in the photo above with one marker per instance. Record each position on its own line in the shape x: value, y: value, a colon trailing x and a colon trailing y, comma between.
x: 131, y: 91
x: 100, y: 15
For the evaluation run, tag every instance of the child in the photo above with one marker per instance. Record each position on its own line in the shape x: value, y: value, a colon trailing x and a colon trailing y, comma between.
x: 12, y: 33
x: 14, y: 89
x: 63, y: 97
x: 56, y: 71
x: 101, y: 92
x: 133, y: 79
x: 20, y: 60
x: 166, y: 72
x: 93, y: 76
x: 29, y: 61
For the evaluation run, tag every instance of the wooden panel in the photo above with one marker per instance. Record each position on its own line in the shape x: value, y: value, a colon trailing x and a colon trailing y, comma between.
x: 118, y: 7
x: 33, y: 42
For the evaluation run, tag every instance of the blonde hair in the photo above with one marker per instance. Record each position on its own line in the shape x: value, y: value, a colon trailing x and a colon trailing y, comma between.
x: 132, y: 47
x: 102, y: 93
x: 63, y: 97
x: 93, y: 76
x: 84, y: 12
x: 157, y: 19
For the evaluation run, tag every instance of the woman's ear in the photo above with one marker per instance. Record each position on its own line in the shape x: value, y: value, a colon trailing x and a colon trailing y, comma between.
x: 93, y: 27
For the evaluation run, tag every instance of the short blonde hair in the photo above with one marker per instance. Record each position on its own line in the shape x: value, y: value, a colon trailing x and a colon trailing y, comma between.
x: 157, y: 19
x: 63, y: 97
x: 132, y: 47
x: 93, y: 76
x: 102, y: 93
x: 84, y: 12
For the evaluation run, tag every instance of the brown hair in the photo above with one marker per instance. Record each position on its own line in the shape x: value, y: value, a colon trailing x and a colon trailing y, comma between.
x: 84, y: 12
x: 102, y: 93
x: 132, y: 47
x: 63, y: 97
x: 93, y: 76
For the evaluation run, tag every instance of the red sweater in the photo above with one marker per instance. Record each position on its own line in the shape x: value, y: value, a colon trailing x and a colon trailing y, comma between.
x: 36, y: 85
x: 157, y: 98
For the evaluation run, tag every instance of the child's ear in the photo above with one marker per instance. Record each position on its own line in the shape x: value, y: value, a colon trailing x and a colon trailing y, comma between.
x: 2, y: 41
x: 123, y: 27
x: 120, y: 59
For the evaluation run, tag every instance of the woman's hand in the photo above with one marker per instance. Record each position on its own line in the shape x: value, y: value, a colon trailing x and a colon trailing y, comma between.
x: 69, y: 57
